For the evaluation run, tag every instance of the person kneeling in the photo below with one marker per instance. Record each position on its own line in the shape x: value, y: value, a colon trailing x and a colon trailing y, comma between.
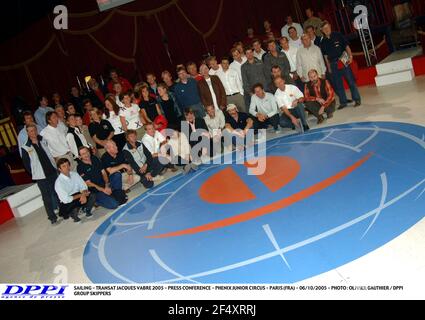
x: 290, y: 98
x: 116, y: 166
x: 141, y: 161
x: 72, y: 192
x: 319, y: 97
x: 109, y: 193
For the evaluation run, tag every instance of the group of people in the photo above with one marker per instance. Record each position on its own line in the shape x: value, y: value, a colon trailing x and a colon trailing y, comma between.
x: 93, y: 149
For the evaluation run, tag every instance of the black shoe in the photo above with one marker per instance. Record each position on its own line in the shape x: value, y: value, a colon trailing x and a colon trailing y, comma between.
x: 342, y: 106
x: 320, y: 119
x: 306, y: 128
x: 76, y: 219
x: 349, y: 101
x: 358, y: 104
x: 54, y: 221
x: 89, y: 215
x: 330, y: 115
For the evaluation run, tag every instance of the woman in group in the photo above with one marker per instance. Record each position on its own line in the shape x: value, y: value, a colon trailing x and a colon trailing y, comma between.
x: 169, y: 107
x: 115, y: 116
x: 132, y: 119
x: 101, y: 130
x: 151, y: 111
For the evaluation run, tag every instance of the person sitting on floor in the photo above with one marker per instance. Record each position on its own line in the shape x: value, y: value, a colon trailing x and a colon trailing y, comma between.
x: 114, y: 163
x: 154, y: 143
x: 238, y: 123
x: 264, y: 108
x: 73, y: 193
x: 290, y: 101
x: 180, y: 152
x: 319, y: 97
x: 140, y: 160
x: 108, y: 191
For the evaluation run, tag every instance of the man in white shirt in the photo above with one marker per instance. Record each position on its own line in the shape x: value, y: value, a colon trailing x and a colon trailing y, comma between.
x: 238, y: 61
x: 294, y: 39
x: 291, y: 53
x: 73, y: 193
x: 258, y: 49
x: 215, y: 68
x: 291, y: 23
x: 289, y: 99
x: 155, y: 143
x: 264, y: 108
x: 56, y: 140
x: 215, y: 122
x: 232, y: 83
x: 310, y: 57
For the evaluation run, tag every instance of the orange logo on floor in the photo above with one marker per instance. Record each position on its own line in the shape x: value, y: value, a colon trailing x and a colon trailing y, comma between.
x: 279, y: 172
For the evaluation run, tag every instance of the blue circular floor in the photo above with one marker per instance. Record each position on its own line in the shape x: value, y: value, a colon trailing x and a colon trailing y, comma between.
x: 328, y: 197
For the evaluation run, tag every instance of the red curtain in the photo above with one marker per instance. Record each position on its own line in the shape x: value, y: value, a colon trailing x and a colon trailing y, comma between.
x: 132, y: 38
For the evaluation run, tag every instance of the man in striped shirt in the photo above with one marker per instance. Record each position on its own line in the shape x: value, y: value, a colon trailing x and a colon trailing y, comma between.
x: 319, y: 97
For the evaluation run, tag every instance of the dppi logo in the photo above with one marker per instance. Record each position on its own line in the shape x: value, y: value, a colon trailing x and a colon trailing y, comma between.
x: 34, y: 292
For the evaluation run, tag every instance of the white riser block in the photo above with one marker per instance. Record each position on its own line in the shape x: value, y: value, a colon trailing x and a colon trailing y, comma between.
x: 23, y: 196
x: 384, y: 80
x: 28, y: 207
x: 394, y: 66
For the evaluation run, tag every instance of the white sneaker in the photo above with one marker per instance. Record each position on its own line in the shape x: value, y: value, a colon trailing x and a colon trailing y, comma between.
x: 157, y: 178
x: 278, y: 131
x: 186, y: 169
x: 194, y: 166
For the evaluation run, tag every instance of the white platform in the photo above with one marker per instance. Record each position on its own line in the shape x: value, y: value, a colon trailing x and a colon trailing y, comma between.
x: 396, y: 68
x: 23, y: 199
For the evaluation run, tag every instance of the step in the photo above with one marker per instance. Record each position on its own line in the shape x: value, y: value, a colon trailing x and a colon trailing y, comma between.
x: 394, y: 66
x: 396, y: 77
x: 23, y: 194
x: 28, y: 207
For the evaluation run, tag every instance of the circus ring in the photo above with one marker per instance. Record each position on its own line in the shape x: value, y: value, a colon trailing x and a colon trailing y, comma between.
x: 327, y: 198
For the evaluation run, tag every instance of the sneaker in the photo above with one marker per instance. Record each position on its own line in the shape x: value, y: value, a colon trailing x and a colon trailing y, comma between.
x: 76, y: 219
x: 194, y: 166
x: 358, y: 104
x: 320, y: 119
x: 54, y: 222
x: 157, y: 178
x: 278, y: 131
x: 306, y: 128
x: 187, y: 168
x: 330, y: 115
x: 349, y: 100
x: 89, y: 215
x: 342, y: 106
x: 173, y: 169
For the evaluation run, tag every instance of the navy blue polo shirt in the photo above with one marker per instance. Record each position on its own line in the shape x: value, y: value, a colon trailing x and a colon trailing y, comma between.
x: 240, y: 124
x: 109, y: 162
x: 92, y: 172
x: 334, y: 46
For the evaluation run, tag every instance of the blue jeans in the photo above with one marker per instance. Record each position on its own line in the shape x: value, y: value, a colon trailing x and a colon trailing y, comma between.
x: 297, y: 112
x: 106, y: 201
x: 337, y: 80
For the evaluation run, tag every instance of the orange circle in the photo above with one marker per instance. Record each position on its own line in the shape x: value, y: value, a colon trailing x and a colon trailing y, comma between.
x: 278, y: 172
